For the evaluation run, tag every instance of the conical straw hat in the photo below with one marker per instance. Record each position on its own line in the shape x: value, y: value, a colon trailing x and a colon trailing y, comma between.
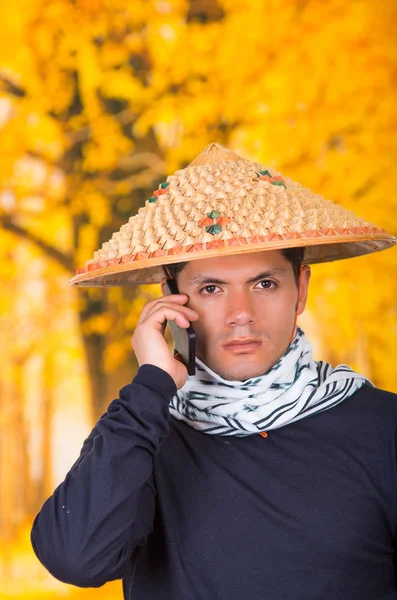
x: 222, y: 204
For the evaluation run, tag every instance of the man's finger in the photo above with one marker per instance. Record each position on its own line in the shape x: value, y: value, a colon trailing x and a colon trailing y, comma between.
x: 154, y: 304
x: 184, y: 311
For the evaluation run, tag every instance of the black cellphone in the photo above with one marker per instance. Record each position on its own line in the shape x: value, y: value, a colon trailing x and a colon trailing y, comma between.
x: 184, y: 339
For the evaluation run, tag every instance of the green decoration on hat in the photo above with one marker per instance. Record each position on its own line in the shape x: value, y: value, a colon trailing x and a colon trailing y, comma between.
x: 213, y: 229
x: 152, y: 199
x: 214, y: 214
x: 278, y: 183
x: 164, y: 185
x: 265, y: 173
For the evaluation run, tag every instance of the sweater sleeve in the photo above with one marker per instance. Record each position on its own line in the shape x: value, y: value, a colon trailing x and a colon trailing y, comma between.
x: 87, y: 531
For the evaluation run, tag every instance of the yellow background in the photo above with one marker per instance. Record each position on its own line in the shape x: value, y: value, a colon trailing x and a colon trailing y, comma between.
x: 99, y: 101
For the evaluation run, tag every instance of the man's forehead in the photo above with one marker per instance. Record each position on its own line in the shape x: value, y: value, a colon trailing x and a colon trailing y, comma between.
x: 248, y: 266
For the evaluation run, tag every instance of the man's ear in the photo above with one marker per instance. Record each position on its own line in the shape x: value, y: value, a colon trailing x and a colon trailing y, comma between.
x: 162, y: 286
x: 303, y: 288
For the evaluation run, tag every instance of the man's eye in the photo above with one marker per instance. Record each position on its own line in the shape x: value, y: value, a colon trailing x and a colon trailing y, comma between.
x: 208, y: 289
x: 267, y: 284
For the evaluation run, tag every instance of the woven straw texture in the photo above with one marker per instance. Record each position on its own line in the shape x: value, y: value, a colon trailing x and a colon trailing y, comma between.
x: 222, y: 204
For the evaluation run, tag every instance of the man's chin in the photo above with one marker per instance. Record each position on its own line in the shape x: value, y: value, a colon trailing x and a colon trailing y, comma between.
x: 241, y: 370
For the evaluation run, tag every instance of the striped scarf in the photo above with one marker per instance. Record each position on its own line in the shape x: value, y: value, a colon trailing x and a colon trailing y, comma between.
x: 294, y: 388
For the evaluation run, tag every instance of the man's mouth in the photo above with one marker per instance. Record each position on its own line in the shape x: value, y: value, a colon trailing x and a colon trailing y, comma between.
x: 242, y: 345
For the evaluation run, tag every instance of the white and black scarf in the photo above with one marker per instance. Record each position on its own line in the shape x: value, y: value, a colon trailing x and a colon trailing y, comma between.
x: 294, y: 388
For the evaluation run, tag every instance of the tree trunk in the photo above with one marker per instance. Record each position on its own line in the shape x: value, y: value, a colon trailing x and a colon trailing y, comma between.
x: 94, y: 346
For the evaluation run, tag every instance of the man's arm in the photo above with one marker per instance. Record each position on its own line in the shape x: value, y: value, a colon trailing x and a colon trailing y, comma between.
x: 87, y: 530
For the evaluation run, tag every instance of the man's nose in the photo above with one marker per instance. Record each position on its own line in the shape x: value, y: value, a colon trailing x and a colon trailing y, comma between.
x: 240, y: 308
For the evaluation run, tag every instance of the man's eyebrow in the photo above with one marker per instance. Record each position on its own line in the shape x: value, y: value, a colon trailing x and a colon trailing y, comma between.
x: 266, y: 274
x: 202, y: 278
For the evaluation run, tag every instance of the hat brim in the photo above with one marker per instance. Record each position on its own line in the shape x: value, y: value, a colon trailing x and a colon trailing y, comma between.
x: 149, y: 270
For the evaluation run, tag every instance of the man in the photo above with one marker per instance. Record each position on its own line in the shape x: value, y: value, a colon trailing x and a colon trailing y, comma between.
x: 264, y: 475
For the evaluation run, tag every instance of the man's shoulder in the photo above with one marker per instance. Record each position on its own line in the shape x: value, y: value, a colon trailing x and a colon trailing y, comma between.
x: 374, y: 393
x: 373, y: 400
x: 369, y: 413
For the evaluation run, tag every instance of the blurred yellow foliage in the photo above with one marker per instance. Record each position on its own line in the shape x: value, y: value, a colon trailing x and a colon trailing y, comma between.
x: 102, y: 89
x: 100, y: 99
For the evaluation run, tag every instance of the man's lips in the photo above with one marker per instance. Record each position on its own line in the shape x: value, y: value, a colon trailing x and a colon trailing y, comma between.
x: 242, y: 345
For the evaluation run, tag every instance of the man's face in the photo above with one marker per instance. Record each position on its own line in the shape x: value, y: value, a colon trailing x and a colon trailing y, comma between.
x: 246, y: 305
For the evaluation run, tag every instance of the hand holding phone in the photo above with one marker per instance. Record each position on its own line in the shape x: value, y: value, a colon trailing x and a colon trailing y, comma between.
x: 148, y: 341
x: 184, y: 339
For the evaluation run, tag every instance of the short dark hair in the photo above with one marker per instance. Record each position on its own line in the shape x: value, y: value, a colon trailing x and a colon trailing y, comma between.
x: 293, y: 255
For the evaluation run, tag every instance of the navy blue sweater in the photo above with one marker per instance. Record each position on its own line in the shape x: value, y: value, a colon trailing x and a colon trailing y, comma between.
x: 308, y: 513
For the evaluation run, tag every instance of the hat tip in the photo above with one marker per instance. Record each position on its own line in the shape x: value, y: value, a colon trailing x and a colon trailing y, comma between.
x: 214, y: 153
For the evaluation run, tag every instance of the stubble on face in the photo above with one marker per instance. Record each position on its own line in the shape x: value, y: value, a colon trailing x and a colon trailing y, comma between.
x: 239, y: 367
